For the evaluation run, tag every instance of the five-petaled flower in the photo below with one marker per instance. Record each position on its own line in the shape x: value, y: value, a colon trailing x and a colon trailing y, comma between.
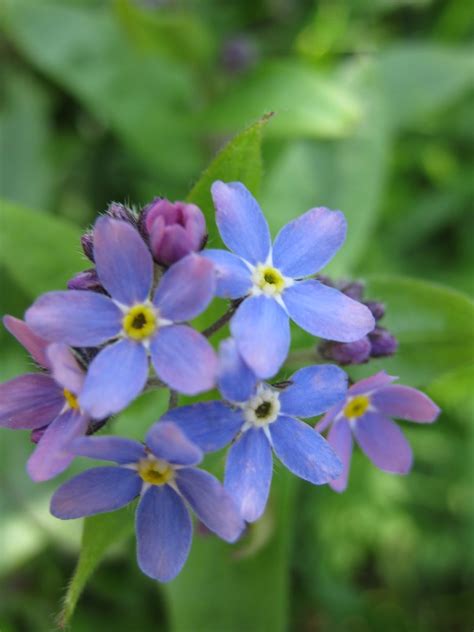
x: 272, y: 279
x: 46, y: 401
x: 263, y: 418
x: 365, y: 414
x: 135, y: 325
x: 162, y: 473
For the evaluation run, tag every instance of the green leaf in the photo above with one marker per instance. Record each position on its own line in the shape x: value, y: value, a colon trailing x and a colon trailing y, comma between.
x: 99, y: 534
x: 219, y: 590
x: 434, y: 326
x: 419, y: 78
x: 307, y: 103
x: 144, y: 98
x: 454, y: 392
x: 40, y: 251
x: 241, y: 160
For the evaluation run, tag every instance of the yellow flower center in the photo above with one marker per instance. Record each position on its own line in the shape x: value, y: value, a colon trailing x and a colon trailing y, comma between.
x: 139, y: 322
x: 155, y: 471
x: 268, y: 279
x: 71, y: 399
x: 356, y: 406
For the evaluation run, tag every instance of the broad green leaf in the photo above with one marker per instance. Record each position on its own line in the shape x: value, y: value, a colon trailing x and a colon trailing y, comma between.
x: 307, y: 103
x: 434, y: 325
x: 419, y: 78
x: 99, y: 534
x: 219, y: 591
x: 241, y: 160
x: 25, y: 132
x: 308, y: 173
x: 40, y: 251
x: 454, y: 392
x: 144, y: 98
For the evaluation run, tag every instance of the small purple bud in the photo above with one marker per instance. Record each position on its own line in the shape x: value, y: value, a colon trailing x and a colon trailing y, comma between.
x: 354, y: 290
x: 377, y: 309
x: 120, y: 211
x: 173, y: 230
x: 87, y: 243
x: 238, y: 54
x: 322, y: 278
x: 383, y: 343
x: 37, y: 433
x: 87, y: 280
x: 356, y: 352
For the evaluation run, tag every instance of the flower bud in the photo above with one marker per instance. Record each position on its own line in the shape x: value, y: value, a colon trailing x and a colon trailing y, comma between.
x: 120, y: 211
x: 354, y: 290
x: 87, y: 243
x: 377, y: 309
x: 356, y: 352
x: 87, y: 280
x: 173, y: 230
x: 383, y: 343
x: 37, y: 433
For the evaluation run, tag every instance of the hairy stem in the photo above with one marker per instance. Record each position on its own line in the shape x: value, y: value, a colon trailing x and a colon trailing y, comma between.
x: 173, y: 400
x: 305, y: 355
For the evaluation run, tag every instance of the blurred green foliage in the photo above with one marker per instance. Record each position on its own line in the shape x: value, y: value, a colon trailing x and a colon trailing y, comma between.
x: 127, y: 99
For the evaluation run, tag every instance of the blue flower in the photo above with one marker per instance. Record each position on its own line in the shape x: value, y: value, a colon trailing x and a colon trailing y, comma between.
x: 272, y: 279
x: 267, y: 419
x: 45, y: 402
x: 162, y: 474
x: 365, y: 415
x: 135, y: 323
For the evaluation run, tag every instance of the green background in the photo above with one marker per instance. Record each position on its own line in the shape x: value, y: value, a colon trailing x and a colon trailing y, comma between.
x: 127, y: 99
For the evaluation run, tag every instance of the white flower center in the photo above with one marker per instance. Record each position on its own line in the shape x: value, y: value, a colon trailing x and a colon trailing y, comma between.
x: 268, y: 280
x: 263, y: 408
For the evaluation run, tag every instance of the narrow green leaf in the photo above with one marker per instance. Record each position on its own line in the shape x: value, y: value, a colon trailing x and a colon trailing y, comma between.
x: 433, y: 324
x: 40, y: 251
x: 307, y: 103
x: 218, y: 590
x: 99, y: 534
x: 241, y: 160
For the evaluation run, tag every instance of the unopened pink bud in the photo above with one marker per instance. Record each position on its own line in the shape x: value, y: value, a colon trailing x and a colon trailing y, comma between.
x: 173, y: 230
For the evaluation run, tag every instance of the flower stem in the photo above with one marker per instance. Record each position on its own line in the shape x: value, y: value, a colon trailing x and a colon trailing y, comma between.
x: 173, y: 400
x: 300, y: 356
x: 223, y: 320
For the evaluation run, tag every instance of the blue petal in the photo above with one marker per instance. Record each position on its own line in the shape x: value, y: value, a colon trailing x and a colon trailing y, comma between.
x: 35, y: 345
x: 168, y: 442
x: 184, y: 359
x: 209, y: 425
x: 164, y: 533
x: 372, y: 383
x: 325, y: 312
x: 65, y: 368
x: 340, y: 438
x: 52, y: 454
x: 304, y: 451
x: 30, y: 401
x: 236, y: 381
x: 105, y: 448
x: 76, y: 317
x: 262, y: 333
x: 248, y: 473
x: 241, y: 223
x: 98, y: 490
x: 186, y: 289
x: 213, y: 505
x: 384, y: 443
x: 314, y: 390
x: 308, y: 243
x: 232, y: 274
x: 123, y: 261
x: 115, y: 377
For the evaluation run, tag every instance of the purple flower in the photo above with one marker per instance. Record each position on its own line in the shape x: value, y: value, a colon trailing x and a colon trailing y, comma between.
x: 365, y: 414
x: 383, y: 343
x: 162, y: 474
x: 266, y: 420
x: 173, y: 230
x: 134, y: 324
x: 344, y: 353
x: 44, y: 401
x: 273, y: 281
